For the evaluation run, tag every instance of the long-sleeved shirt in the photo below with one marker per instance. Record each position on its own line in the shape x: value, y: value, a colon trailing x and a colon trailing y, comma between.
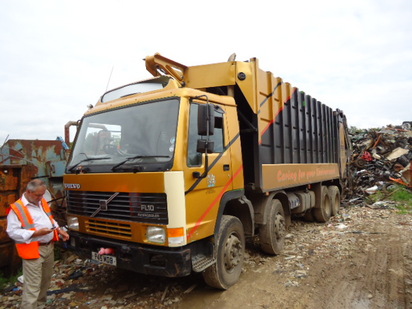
x: 40, y: 219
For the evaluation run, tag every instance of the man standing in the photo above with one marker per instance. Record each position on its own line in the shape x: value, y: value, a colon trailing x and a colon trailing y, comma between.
x: 31, y: 225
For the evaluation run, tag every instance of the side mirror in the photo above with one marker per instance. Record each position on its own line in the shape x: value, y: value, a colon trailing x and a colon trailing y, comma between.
x: 205, y: 120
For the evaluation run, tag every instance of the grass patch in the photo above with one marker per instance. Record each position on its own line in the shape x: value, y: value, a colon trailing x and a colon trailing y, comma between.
x: 376, y: 197
x: 403, y: 197
x: 396, y: 193
x: 404, y: 210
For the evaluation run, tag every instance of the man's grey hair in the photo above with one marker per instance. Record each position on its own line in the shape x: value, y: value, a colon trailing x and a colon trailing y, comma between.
x: 34, y: 184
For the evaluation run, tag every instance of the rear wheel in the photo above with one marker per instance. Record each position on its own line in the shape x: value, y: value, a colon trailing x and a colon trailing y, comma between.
x: 334, y: 195
x: 230, y: 246
x: 272, y: 234
x: 323, y: 212
x: 308, y: 216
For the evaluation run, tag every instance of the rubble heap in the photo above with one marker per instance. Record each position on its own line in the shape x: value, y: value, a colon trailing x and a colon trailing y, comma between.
x: 380, y: 158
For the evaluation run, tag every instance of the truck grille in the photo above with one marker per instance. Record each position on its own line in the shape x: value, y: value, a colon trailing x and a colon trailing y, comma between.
x: 136, y: 207
x: 109, y: 228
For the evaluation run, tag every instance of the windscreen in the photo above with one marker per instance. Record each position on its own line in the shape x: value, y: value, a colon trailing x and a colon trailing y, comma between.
x: 139, y: 87
x: 141, y: 136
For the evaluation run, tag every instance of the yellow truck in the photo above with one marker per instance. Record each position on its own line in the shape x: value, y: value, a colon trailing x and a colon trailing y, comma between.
x: 167, y: 176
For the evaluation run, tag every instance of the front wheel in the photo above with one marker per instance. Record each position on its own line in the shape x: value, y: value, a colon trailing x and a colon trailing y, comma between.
x: 230, y: 246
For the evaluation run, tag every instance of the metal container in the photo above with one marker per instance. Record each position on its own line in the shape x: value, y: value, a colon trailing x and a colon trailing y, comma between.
x: 20, y: 162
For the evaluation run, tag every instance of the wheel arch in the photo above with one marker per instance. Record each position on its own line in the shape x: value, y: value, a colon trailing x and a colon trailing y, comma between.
x: 262, y: 206
x: 236, y: 204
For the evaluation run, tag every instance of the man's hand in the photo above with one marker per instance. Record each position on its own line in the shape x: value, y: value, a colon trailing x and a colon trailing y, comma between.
x: 41, y: 232
x: 64, y: 234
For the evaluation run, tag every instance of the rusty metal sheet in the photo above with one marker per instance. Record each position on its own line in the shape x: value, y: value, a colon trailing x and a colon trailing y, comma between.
x: 5, y: 200
x: 9, y: 257
x: 55, y: 169
x: 3, y: 235
x: 38, y: 153
x: 23, y: 160
x: 9, y: 178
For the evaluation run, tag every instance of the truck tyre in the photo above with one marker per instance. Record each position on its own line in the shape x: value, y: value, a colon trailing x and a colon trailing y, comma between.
x: 334, y: 195
x: 272, y: 234
x: 230, y: 253
x: 323, y: 212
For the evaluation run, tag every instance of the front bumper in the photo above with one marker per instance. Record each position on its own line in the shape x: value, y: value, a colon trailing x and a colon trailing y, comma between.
x: 151, y: 260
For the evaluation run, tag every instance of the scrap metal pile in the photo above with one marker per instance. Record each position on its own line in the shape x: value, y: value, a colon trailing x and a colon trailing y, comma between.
x: 380, y: 158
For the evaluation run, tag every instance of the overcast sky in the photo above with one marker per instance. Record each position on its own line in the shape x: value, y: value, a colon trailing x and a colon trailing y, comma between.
x: 57, y: 56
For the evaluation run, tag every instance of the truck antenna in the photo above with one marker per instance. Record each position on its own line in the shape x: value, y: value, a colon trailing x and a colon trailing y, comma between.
x: 110, y: 76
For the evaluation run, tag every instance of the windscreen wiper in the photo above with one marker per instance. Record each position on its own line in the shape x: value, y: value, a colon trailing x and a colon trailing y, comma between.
x: 135, y: 157
x: 87, y: 159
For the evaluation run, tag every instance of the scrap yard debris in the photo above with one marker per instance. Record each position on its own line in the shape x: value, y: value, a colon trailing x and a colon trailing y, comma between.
x: 381, y: 158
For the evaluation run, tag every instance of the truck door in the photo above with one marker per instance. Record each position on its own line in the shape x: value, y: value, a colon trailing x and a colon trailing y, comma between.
x: 206, y: 182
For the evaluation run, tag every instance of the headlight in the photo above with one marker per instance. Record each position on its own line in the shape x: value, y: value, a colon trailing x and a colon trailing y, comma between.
x: 73, y: 223
x: 156, y: 234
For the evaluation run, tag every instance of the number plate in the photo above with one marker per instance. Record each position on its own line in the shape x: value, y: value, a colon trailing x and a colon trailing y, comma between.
x: 106, y: 259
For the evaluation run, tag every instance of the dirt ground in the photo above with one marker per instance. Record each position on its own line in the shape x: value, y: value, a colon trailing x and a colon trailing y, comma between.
x: 360, y: 259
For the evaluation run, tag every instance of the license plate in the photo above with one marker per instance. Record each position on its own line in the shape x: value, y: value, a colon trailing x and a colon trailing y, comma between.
x: 103, y: 258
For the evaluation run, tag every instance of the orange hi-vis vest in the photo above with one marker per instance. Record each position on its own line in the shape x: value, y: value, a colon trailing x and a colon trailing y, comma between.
x: 30, y: 250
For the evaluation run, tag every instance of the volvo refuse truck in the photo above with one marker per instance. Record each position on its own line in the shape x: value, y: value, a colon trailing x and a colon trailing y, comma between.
x: 169, y: 175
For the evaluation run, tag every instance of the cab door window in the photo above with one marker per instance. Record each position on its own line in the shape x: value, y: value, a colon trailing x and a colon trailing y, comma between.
x: 194, y: 157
